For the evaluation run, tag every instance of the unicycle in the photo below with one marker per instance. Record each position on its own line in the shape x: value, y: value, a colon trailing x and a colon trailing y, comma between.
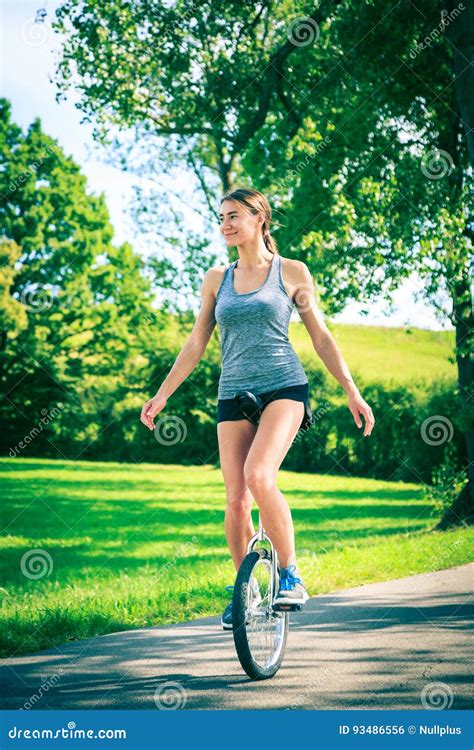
x: 260, y: 628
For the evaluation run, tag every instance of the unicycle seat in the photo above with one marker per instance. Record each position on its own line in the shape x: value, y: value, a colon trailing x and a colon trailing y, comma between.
x: 250, y: 405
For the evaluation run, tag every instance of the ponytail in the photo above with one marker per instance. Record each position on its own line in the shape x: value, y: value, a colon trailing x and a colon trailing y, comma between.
x: 269, y: 241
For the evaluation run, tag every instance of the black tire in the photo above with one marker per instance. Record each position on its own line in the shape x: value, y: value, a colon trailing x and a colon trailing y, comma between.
x: 250, y: 666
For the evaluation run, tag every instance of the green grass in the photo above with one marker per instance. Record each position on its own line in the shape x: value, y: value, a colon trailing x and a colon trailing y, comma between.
x: 382, y: 354
x: 141, y: 545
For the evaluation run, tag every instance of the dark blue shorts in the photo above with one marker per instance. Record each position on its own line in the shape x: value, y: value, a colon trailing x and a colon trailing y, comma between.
x: 228, y: 408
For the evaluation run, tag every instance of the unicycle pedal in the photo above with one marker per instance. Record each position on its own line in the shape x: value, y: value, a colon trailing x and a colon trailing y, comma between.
x: 287, y: 607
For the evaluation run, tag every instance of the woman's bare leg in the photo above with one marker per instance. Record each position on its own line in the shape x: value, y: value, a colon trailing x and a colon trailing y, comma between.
x: 235, y: 439
x: 276, y: 431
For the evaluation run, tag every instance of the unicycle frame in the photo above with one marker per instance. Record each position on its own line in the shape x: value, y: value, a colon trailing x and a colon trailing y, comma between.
x: 262, y: 536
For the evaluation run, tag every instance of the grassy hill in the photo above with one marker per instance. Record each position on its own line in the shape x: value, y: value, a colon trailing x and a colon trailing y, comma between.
x: 378, y: 353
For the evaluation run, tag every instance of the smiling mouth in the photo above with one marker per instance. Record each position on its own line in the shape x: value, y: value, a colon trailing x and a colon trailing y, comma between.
x: 230, y: 235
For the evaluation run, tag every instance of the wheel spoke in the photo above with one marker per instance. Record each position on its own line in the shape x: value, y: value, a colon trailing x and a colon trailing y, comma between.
x: 264, y: 628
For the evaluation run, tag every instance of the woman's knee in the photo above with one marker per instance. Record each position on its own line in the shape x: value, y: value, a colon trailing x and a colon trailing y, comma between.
x: 259, y: 478
x: 239, y: 498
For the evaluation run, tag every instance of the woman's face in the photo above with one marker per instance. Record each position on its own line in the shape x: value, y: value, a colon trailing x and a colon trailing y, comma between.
x: 237, y: 224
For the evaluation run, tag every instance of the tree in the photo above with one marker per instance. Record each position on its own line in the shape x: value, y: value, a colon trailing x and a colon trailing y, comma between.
x: 75, y: 309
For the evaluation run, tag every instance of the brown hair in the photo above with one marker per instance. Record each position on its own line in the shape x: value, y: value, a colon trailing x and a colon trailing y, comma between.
x: 255, y: 201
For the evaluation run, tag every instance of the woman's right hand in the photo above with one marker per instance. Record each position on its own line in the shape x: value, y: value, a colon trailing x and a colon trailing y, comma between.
x: 151, y: 409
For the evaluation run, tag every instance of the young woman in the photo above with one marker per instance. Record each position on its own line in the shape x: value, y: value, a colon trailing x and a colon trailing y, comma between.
x: 251, y: 301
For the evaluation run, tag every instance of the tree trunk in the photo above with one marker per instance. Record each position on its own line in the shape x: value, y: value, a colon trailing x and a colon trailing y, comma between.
x: 460, y: 31
x: 462, y: 510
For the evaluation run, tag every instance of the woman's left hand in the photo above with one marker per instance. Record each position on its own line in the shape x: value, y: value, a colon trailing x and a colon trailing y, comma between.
x: 358, y: 406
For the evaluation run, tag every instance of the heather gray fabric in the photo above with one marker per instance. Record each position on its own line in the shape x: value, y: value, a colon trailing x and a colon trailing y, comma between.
x: 256, y: 352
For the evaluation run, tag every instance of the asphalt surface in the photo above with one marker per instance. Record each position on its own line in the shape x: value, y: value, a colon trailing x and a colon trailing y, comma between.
x: 400, y: 644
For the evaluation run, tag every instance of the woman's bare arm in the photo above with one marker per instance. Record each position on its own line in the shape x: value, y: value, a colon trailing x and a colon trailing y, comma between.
x: 326, y: 347
x: 195, y: 346
x: 191, y: 352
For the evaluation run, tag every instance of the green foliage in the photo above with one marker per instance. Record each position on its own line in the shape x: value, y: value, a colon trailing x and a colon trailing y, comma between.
x: 339, y: 114
x: 78, y: 327
x: 447, y: 481
x: 397, y: 449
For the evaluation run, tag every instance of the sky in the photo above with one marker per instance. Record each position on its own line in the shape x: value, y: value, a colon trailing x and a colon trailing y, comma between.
x: 28, y: 60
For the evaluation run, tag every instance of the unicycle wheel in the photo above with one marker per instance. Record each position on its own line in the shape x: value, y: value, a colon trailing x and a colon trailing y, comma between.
x: 260, y: 633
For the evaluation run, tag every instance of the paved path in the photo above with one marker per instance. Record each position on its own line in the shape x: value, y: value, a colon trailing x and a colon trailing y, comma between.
x: 379, y: 646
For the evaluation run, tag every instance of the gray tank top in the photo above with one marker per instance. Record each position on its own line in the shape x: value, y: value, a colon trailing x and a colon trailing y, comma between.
x: 257, y: 355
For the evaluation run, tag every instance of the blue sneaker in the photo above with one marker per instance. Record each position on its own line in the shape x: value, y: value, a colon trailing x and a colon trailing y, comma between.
x: 292, y: 590
x: 226, y: 619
